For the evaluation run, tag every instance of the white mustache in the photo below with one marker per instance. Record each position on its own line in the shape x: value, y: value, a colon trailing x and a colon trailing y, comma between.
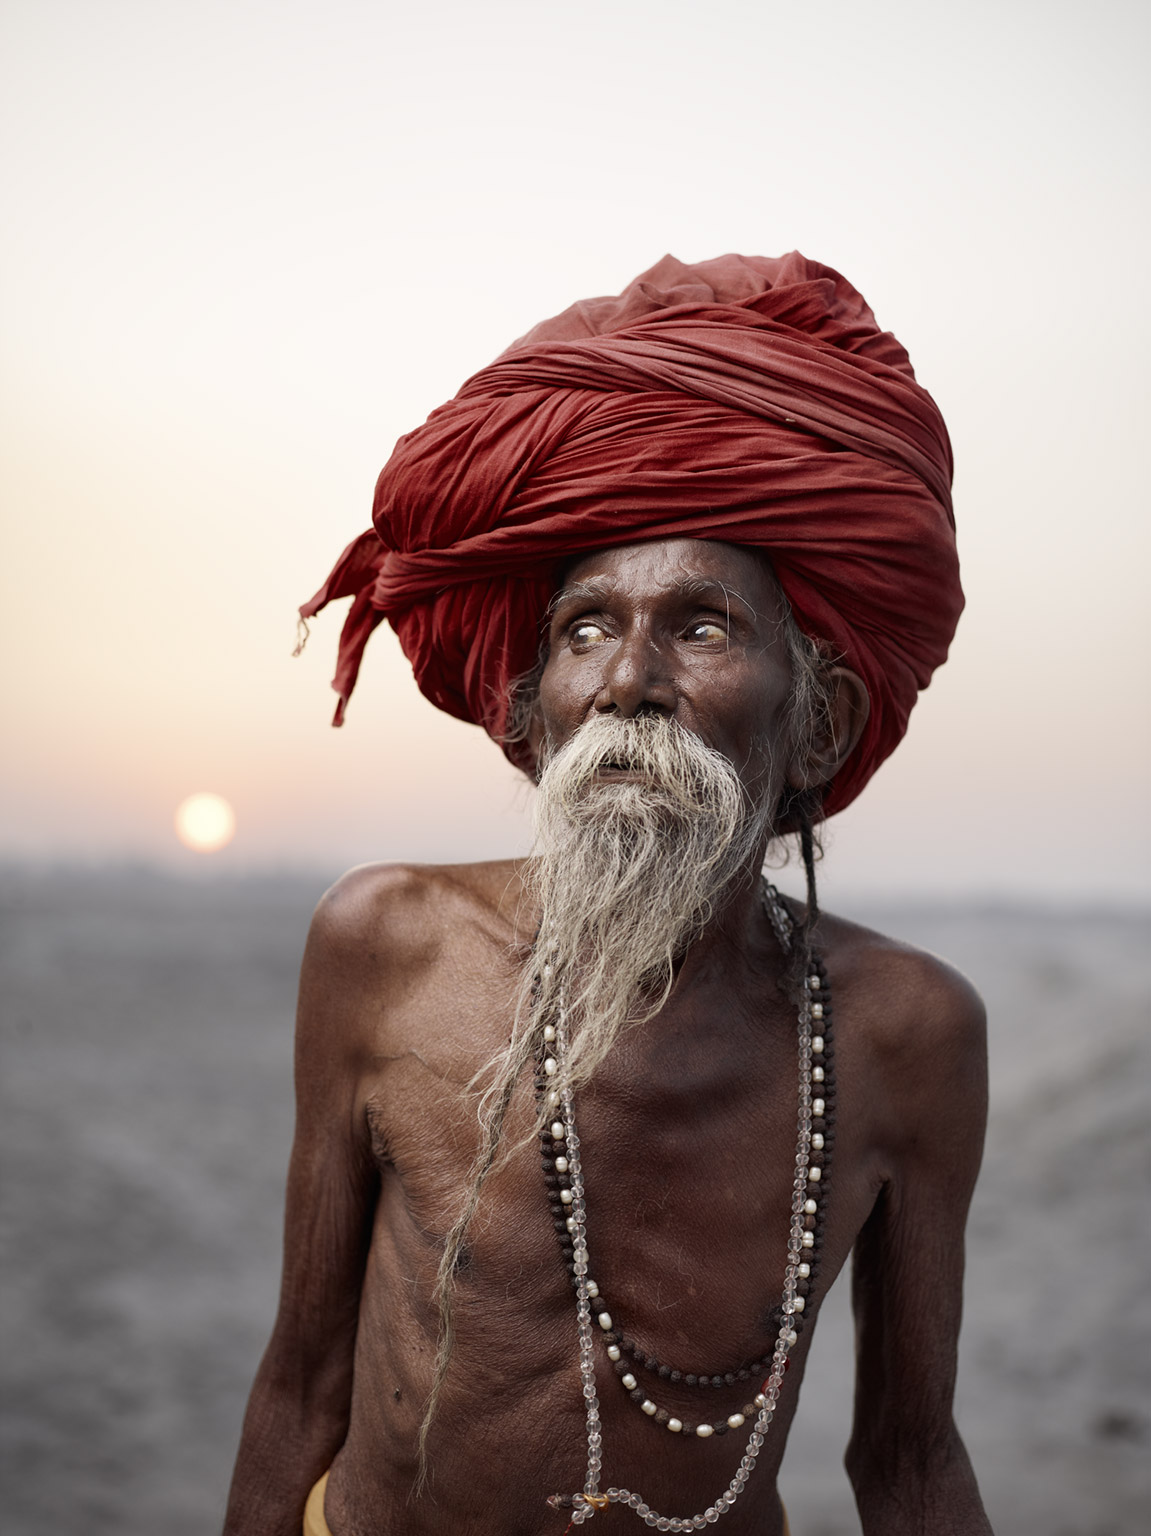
x: 655, y: 748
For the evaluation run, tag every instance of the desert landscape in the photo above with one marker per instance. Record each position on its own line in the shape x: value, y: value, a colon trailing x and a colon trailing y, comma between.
x: 145, y: 1124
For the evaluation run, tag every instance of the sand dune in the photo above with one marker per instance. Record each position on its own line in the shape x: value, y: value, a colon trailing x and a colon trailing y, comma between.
x: 145, y: 1116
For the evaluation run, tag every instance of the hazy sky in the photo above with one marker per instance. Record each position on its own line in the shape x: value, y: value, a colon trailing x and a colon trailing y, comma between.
x: 250, y: 244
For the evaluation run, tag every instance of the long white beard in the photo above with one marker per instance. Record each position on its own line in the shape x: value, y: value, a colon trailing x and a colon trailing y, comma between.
x: 627, y: 873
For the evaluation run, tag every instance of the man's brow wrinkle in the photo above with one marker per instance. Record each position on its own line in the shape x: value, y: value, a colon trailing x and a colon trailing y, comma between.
x: 701, y: 587
x: 580, y: 591
x: 690, y: 587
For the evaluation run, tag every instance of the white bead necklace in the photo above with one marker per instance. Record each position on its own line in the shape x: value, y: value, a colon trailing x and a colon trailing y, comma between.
x: 583, y: 1505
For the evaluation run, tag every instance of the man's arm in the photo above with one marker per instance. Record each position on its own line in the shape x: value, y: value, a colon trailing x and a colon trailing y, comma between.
x: 906, y: 1461
x: 297, y: 1414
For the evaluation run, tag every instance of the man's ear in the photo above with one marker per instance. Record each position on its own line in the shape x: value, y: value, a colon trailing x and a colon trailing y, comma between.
x: 837, y: 736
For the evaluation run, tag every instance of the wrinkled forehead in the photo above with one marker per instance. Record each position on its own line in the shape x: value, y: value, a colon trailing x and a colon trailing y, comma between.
x: 698, y: 567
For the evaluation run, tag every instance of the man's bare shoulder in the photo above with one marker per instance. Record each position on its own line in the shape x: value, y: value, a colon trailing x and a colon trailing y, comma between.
x: 911, y: 1059
x: 381, y: 928
x: 917, y: 1022
x: 405, y: 915
x: 912, y: 980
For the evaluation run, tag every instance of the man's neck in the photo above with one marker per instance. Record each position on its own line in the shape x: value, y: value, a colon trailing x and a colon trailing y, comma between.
x: 738, y: 933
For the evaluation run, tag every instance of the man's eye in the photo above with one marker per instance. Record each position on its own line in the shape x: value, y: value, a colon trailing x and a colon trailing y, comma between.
x: 587, y: 633
x: 706, y: 630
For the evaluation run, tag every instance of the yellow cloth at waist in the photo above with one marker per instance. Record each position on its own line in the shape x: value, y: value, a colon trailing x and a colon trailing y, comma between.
x: 314, y: 1522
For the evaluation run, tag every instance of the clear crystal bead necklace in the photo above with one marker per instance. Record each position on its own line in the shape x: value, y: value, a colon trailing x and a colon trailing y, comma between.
x: 564, y: 1177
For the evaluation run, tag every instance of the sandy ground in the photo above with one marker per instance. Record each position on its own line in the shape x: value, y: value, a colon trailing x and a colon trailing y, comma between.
x: 145, y: 1118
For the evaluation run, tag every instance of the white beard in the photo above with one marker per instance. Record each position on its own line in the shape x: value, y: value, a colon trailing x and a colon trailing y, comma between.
x: 627, y: 873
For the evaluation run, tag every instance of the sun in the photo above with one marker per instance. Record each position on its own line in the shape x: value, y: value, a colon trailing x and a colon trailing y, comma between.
x: 205, y: 822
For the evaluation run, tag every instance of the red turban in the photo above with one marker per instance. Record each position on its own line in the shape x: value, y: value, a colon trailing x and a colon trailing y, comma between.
x: 748, y: 399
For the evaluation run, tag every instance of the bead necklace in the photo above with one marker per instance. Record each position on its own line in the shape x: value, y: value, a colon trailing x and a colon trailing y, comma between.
x: 564, y: 1175
x: 618, y: 1344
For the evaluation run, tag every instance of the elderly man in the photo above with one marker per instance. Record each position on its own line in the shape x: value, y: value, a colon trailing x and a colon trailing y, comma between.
x: 583, y: 1140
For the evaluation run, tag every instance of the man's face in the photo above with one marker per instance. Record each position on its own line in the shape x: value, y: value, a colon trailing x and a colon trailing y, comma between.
x: 680, y: 627
x: 662, y: 698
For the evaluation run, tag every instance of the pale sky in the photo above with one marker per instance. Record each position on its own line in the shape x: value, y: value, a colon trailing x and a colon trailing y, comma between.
x: 250, y: 244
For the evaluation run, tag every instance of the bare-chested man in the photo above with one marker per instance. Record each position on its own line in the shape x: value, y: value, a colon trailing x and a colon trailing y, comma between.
x: 731, y: 1091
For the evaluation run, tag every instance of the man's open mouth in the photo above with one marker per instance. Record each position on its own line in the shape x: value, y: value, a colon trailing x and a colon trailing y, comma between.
x: 622, y: 766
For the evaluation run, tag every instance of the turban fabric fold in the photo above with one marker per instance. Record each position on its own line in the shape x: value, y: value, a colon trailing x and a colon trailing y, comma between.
x: 752, y: 400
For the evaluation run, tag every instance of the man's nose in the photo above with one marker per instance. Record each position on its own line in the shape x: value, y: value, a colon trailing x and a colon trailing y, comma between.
x: 637, y: 680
